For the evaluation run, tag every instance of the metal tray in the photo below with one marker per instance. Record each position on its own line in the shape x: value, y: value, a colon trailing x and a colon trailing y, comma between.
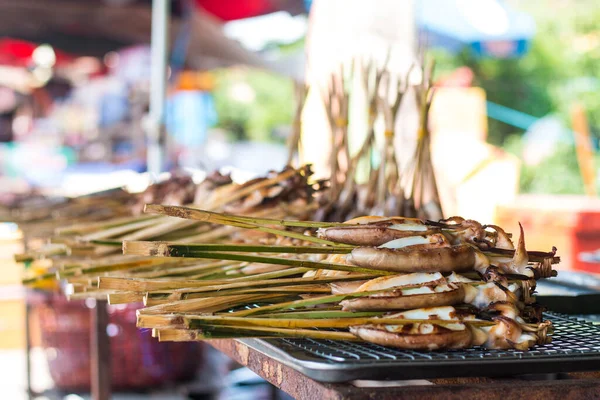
x: 570, y: 293
x: 575, y: 347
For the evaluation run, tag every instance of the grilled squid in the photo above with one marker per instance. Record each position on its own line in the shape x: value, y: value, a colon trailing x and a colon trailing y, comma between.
x: 345, y: 287
x: 419, y: 290
x: 375, y: 231
x: 335, y: 259
x: 507, y: 331
x: 406, y: 292
x: 518, y: 263
x: 464, y: 230
x: 418, y: 336
x: 511, y: 331
x: 433, y: 335
x: 443, y: 259
x: 341, y: 287
x: 482, y: 296
x: 500, y: 239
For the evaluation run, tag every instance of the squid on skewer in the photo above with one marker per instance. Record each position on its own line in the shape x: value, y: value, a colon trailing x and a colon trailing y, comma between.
x: 417, y: 290
x: 457, y: 330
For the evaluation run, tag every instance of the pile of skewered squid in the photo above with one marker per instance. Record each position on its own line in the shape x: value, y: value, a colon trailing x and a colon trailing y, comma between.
x: 454, y: 262
x: 394, y: 281
x: 78, y: 250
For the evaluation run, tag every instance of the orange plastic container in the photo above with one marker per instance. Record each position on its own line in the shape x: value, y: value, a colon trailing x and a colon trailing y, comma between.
x: 571, y: 223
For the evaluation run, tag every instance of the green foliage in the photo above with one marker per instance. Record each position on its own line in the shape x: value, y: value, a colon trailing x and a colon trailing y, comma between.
x: 520, y: 84
x: 561, y: 68
x: 267, y: 105
x: 557, y: 174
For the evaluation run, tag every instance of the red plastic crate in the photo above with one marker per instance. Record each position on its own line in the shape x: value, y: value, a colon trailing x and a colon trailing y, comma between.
x: 571, y: 223
x: 138, y: 361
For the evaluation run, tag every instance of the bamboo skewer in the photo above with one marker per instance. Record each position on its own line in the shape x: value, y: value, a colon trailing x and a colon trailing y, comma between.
x: 155, y: 298
x: 321, y: 313
x: 160, y: 249
x: 118, y: 230
x: 211, y: 216
x: 295, y: 304
x: 140, y: 285
x: 210, y: 305
x: 199, y: 215
x: 196, y: 321
x: 191, y: 270
x: 228, y: 332
x: 174, y: 249
x: 83, y: 228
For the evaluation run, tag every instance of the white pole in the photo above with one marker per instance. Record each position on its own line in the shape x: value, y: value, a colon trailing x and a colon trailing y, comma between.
x: 156, y: 129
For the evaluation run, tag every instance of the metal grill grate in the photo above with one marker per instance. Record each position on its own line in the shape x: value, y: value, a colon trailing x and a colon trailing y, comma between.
x: 575, y: 346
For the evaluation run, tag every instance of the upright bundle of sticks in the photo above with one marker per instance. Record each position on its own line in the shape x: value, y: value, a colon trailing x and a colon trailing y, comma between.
x: 390, y: 189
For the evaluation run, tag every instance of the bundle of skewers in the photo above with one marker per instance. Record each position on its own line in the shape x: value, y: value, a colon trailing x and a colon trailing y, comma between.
x: 395, y: 281
x: 393, y: 186
x: 39, y: 216
x: 82, y: 251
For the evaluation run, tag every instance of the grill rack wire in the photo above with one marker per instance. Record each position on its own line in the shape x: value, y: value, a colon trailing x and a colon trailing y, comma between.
x: 570, y: 337
x: 575, y: 346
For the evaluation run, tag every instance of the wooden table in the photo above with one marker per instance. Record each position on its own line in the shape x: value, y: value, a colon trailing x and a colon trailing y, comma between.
x: 544, y: 387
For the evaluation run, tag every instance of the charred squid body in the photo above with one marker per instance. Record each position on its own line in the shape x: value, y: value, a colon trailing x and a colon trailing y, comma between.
x: 407, y: 292
x: 508, y: 332
x: 423, y: 335
x: 406, y: 299
x: 442, y: 259
x: 418, y: 290
x: 374, y: 231
x: 417, y: 336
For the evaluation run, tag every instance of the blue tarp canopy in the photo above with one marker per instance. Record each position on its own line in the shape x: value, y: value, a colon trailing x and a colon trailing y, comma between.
x: 486, y: 27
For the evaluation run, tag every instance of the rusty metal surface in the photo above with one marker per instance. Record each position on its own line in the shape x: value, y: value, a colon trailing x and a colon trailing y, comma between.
x: 569, y: 386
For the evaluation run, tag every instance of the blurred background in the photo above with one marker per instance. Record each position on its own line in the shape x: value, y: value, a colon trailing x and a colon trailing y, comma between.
x: 515, y: 119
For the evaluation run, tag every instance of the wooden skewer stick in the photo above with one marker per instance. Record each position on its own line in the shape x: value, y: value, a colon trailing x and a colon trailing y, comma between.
x: 162, y: 249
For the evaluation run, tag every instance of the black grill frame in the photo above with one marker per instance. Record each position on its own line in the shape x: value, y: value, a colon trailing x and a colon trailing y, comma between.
x: 575, y: 347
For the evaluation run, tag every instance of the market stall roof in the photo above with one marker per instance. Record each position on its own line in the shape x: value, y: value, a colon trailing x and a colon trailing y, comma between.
x: 487, y: 27
x: 95, y: 27
x: 230, y: 10
x: 21, y: 53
